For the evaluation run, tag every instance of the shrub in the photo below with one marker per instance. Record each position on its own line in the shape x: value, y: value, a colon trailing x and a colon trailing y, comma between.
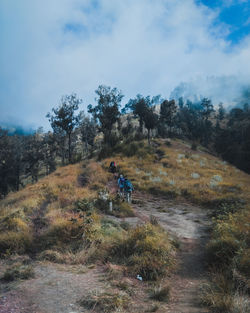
x: 15, y: 242
x: 105, y: 302
x: 75, y: 232
x: 125, y: 225
x: 18, y: 271
x: 161, y: 293
x: 52, y: 256
x: 123, y: 209
x: 222, y: 250
x: 224, y: 206
x: 146, y: 250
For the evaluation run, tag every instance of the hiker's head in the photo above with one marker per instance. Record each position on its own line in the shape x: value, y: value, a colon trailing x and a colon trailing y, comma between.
x: 121, y: 176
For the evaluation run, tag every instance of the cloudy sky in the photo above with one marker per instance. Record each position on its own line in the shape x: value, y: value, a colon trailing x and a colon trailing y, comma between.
x: 50, y: 48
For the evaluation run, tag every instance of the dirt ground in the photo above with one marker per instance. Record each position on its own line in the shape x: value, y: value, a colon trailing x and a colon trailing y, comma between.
x: 58, y: 288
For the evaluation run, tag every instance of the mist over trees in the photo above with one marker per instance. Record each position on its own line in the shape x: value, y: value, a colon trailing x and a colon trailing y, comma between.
x: 76, y: 135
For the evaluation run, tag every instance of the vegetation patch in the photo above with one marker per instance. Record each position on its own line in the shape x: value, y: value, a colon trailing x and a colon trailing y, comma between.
x: 18, y: 271
x: 146, y: 250
x: 105, y: 302
x: 160, y: 293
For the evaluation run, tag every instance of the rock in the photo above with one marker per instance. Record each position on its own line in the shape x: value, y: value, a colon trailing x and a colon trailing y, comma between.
x: 202, y: 163
x: 195, y: 175
x: 137, y: 171
x: 162, y: 172
x: 156, y: 179
x: 195, y: 156
x: 216, y: 178
x: 171, y: 182
x: 181, y: 156
x: 213, y: 184
x: 103, y: 195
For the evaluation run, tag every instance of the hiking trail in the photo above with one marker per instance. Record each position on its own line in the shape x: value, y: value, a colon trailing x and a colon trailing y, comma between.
x: 189, y: 225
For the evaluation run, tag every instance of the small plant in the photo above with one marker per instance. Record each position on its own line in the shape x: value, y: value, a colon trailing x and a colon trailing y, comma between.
x: 105, y: 302
x: 154, y: 220
x: 153, y: 308
x: 123, y: 210
x: 52, y: 256
x: 125, y: 225
x: 18, y: 271
x: 161, y: 294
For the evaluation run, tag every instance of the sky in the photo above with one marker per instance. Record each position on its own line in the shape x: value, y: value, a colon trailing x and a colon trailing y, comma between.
x: 50, y: 48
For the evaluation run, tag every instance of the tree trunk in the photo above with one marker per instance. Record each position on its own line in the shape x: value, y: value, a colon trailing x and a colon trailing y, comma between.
x: 149, y: 136
x: 69, y: 146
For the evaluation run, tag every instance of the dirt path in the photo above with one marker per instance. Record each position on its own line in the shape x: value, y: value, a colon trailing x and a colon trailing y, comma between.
x: 189, y: 225
x: 55, y: 289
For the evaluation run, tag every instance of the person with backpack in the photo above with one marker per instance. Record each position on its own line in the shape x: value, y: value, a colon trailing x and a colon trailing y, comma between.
x: 120, y: 182
x: 112, y: 167
x: 128, y: 188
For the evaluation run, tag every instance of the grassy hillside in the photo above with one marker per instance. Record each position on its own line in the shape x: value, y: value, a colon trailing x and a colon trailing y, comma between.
x: 63, y: 217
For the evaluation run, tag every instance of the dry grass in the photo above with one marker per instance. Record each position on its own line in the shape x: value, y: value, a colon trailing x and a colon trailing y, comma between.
x: 146, y: 250
x: 75, y: 233
x: 53, y: 198
x: 106, y: 302
x: 18, y: 271
x: 171, y: 173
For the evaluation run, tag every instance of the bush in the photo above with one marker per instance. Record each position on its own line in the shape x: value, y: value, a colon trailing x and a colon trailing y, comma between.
x: 18, y: 271
x: 15, y: 242
x: 52, y: 256
x: 224, y: 206
x: 123, y: 209
x: 161, y: 293
x: 75, y: 232
x: 221, y: 251
x: 105, y: 302
x: 146, y: 250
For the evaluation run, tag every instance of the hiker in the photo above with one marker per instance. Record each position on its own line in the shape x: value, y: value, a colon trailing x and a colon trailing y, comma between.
x: 120, y: 182
x: 112, y: 167
x: 128, y: 188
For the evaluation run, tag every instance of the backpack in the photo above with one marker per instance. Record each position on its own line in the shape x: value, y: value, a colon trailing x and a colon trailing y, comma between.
x: 121, y: 182
x: 128, y: 186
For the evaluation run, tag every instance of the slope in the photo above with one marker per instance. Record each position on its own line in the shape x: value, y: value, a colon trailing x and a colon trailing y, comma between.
x: 65, y: 216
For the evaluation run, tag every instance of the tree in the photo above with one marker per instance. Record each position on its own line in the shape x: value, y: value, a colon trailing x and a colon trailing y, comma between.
x: 167, y: 113
x: 150, y: 119
x: 64, y: 120
x: 88, y: 130
x: 221, y: 112
x: 143, y: 109
x: 49, y: 150
x: 33, y: 155
x: 106, y: 112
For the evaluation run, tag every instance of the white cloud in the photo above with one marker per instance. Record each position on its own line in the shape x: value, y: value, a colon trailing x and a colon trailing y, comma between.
x: 139, y: 46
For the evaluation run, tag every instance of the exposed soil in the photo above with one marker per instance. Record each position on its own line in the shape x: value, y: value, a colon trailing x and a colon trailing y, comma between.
x: 189, y: 225
x: 58, y: 288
